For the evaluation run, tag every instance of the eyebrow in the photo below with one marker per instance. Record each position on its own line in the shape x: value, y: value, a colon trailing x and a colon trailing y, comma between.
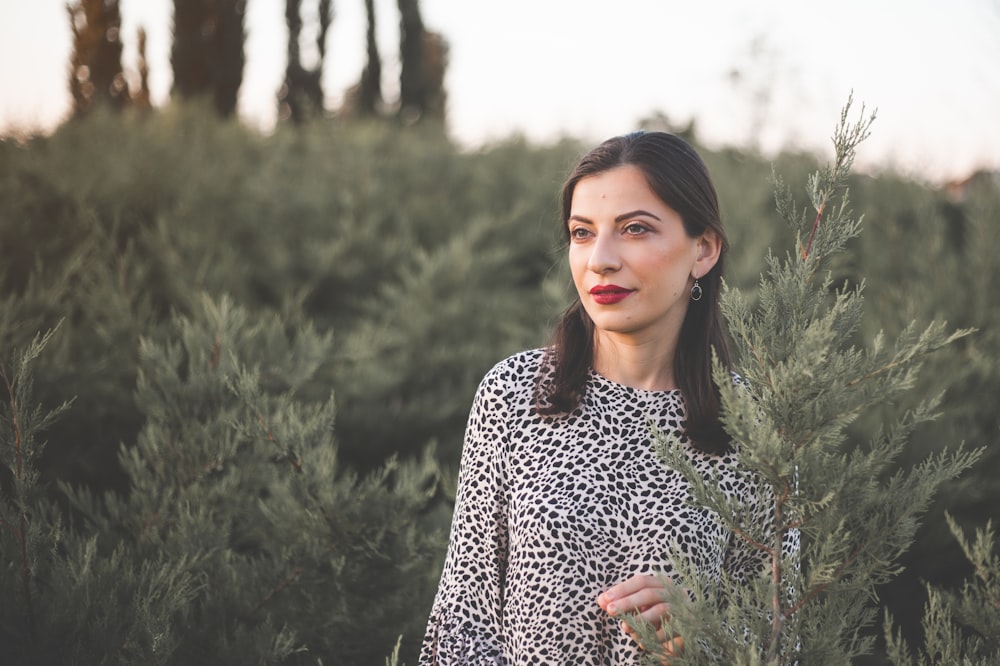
x: 620, y: 218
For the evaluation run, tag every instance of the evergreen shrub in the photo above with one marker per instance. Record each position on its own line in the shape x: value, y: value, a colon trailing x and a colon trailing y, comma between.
x: 850, y: 509
x: 240, y: 538
x: 391, y: 268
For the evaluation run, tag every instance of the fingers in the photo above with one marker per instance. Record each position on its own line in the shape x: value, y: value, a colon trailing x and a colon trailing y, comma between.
x: 633, y: 584
x: 641, y: 593
x: 644, y: 595
x: 671, y: 647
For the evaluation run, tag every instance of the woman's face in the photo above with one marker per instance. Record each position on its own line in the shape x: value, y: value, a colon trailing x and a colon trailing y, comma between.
x: 632, y: 262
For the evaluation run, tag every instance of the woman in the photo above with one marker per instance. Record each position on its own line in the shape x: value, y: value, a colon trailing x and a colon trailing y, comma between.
x: 565, y: 515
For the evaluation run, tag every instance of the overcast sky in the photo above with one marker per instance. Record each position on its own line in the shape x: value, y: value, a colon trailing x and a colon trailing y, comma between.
x: 768, y: 72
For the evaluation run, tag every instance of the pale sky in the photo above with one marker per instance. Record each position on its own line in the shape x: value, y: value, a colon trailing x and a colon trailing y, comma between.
x: 591, y: 69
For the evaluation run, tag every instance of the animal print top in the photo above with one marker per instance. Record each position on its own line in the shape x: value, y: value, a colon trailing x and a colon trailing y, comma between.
x: 551, y: 511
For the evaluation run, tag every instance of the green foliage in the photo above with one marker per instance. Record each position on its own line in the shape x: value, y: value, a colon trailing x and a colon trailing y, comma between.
x: 393, y: 269
x: 241, y: 538
x: 932, y: 256
x: 804, y: 382
x: 23, y: 531
x: 964, y: 627
x: 344, y: 223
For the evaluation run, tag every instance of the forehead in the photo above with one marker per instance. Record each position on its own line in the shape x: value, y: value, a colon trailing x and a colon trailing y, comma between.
x: 623, y: 186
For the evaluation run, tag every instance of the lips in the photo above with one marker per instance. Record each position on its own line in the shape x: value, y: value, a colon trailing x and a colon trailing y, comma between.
x: 609, y: 294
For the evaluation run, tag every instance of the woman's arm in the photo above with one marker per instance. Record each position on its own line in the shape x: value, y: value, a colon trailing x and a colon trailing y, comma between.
x: 465, y: 622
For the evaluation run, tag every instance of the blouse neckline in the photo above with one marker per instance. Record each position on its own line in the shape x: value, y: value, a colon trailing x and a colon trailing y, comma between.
x: 627, y: 390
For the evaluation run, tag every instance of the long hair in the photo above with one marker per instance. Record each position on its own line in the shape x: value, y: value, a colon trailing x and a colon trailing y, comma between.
x: 678, y: 176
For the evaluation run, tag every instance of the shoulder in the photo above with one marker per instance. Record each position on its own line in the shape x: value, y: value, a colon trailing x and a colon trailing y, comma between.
x: 506, y: 394
x: 517, y: 371
x: 509, y: 387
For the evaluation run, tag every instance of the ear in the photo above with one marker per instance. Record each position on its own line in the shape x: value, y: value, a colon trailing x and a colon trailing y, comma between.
x: 708, y: 250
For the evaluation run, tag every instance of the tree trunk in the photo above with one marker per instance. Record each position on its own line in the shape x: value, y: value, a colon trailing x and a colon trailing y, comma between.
x: 207, y: 55
x: 412, y: 93
x: 301, y: 95
x: 141, y: 98
x: 95, y: 66
x: 370, y: 93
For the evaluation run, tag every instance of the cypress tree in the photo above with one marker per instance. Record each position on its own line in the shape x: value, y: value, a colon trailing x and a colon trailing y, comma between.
x: 369, y: 95
x: 96, y: 76
x: 412, y: 95
x: 207, y: 54
x: 805, y: 378
x: 301, y: 94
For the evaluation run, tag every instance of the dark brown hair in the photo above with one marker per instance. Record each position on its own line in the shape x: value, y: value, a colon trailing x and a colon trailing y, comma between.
x: 678, y: 176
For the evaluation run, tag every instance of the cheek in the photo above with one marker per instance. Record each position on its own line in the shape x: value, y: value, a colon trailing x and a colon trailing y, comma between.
x: 659, y: 265
x: 671, y: 273
x: 577, y: 264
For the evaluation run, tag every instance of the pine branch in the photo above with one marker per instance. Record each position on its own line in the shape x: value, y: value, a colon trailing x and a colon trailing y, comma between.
x: 929, y: 342
x: 23, y: 426
x: 276, y: 590
x: 815, y: 227
x: 287, y: 454
x: 21, y: 531
x: 810, y: 595
x: 825, y: 185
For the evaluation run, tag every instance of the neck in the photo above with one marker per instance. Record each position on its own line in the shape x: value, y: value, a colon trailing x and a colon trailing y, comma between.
x: 641, y: 364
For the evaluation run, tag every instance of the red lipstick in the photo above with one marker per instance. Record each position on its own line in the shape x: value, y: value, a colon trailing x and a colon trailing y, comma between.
x: 609, y: 294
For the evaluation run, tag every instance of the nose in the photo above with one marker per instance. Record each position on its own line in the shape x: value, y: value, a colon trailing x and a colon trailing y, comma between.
x: 604, y: 256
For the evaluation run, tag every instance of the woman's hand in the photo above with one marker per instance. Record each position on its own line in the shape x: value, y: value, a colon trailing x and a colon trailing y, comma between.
x: 645, y: 595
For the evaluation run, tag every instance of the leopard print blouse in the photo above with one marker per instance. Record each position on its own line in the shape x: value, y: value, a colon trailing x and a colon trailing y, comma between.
x: 551, y: 511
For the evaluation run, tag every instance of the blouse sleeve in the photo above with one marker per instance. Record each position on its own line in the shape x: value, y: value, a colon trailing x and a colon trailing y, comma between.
x: 464, y: 627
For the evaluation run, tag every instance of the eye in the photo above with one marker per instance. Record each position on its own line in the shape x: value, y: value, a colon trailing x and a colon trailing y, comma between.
x: 579, y: 233
x: 635, y: 229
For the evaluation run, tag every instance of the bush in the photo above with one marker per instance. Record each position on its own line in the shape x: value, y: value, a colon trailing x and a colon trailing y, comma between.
x: 391, y: 268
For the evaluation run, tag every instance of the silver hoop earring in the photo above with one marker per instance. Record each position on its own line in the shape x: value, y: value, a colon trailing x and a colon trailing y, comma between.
x: 696, y: 291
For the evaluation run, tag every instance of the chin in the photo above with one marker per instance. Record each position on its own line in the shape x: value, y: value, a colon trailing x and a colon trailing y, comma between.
x: 611, y: 326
